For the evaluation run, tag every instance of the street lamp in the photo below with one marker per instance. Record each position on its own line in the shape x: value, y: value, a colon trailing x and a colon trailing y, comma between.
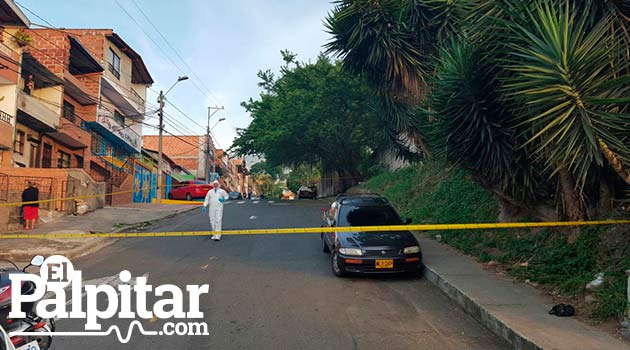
x: 215, y: 124
x: 161, y: 98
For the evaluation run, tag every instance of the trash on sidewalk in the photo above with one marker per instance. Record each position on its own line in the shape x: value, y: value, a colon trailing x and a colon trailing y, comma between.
x: 82, y: 207
x: 562, y: 310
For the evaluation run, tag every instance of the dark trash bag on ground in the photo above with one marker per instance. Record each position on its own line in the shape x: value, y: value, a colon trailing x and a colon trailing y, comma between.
x: 562, y: 310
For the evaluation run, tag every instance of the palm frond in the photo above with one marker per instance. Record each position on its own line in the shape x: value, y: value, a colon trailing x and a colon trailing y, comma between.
x: 562, y: 73
x: 474, y: 121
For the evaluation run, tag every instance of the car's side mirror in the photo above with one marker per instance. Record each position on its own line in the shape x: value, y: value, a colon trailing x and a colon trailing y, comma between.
x: 37, y: 260
x: 408, y: 221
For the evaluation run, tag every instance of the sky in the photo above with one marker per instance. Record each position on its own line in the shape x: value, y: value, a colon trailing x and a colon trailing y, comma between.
x: 225, y: 43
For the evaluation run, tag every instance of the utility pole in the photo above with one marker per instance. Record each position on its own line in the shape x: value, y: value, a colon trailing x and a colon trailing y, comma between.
x: 211, y: 112
x: 160, y: 100
x: 158, y: 190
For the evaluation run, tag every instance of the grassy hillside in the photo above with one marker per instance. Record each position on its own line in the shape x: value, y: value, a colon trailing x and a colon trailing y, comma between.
x: 434, y: 193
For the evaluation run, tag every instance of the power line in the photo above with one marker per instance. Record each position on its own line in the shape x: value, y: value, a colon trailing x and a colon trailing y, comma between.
x: 171, y: 46
x: 208, y: 92
x: 184, y: 114
x: 178, y: 126
x: 92, y: 99
x: 33, y: 13
x: 156, y: 44
x: 172, y: 121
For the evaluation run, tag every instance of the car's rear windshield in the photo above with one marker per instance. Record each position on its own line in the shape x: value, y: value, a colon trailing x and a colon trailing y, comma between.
x: 368, y: 215
x: 200, y: 183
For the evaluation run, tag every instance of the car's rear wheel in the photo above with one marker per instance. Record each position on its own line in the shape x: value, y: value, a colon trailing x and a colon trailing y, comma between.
x: 188, y: 197
x: 325, y: 248
x: 337, y: 269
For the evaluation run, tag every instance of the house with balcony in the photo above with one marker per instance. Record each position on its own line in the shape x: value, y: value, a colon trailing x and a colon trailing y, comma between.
x: 38, y: 113
x: 116, y: 131
x: 12, y: 24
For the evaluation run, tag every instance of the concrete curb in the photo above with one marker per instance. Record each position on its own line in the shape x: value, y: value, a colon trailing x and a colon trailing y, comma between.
x: 479, y: 313
x: 90, y: 247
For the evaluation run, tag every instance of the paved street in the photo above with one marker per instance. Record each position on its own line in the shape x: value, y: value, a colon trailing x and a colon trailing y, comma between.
x: 277, y: 292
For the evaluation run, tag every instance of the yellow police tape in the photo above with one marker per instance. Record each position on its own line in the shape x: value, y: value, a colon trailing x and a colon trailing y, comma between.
x: 425, y: 227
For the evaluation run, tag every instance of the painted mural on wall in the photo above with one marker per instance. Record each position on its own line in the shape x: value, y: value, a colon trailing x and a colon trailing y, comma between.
x: 142, y: 185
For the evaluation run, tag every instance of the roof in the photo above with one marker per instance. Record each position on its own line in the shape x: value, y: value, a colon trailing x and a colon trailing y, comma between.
x: 11, y: 15
x: 175, y: 146
x: 139, y: 72
x: 154, y: 155
x: 81, y: 60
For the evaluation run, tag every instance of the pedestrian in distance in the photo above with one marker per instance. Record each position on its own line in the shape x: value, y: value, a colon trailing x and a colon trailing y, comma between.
x: 30, y: 207
x: 213, y: 204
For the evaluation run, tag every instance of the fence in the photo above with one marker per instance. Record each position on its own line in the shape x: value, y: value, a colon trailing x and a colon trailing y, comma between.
x: 11, y: 188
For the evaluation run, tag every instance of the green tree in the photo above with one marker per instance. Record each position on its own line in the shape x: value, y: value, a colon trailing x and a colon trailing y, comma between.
x: 313, y: 113
x: 264, y: 183
x: 265, y: 168
x: 303, y: 175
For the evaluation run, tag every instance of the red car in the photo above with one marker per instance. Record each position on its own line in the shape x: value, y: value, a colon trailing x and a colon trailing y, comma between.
x: 189, y: 190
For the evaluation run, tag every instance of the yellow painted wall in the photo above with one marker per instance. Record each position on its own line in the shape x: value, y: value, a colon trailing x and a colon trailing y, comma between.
x: 51, y: 98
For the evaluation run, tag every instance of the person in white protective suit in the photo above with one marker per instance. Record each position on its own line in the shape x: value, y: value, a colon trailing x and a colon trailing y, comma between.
x: 214, y: 205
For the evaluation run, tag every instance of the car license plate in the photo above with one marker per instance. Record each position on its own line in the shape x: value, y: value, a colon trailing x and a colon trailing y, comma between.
x: 385, y: 264
x: 30, y: 346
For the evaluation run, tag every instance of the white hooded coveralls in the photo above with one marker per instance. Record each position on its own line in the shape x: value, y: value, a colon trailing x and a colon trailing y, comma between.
x: 215, y: 208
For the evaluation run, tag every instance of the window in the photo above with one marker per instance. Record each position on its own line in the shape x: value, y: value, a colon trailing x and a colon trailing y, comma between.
x: 79, y: 160
x: 351, y: 215
x: 20, y: 139
x: 68, y: 112
x: 119, y: 118
x: 99, y: 147
x: 47, y: 156
x: 114, y: 63
x: 64, y: 160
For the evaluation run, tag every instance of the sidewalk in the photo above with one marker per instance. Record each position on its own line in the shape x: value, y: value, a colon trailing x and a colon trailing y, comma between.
x: 516, y: 312
x: 109, y: 219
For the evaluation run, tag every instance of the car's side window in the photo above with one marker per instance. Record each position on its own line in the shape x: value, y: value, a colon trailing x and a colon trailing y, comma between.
x: 332, y: 213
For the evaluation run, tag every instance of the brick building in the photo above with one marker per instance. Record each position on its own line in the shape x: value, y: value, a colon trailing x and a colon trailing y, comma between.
x: 54, y: 103
x: 117, y: 130
x: 73, y: 113
x: 187, y: 151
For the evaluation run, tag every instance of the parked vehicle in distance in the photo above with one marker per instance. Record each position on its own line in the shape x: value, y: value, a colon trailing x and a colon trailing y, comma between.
x: 235, y: 195
x: 369, y: 252
x: 189, y: 190
x: 307, y: 192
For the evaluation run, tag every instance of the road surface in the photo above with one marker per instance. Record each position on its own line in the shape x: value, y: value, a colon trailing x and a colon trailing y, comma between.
x: 277, y: 292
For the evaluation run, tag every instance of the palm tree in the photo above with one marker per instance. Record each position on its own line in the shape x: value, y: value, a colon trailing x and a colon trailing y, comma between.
x: 571, y: 79
x: 391, y: 43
